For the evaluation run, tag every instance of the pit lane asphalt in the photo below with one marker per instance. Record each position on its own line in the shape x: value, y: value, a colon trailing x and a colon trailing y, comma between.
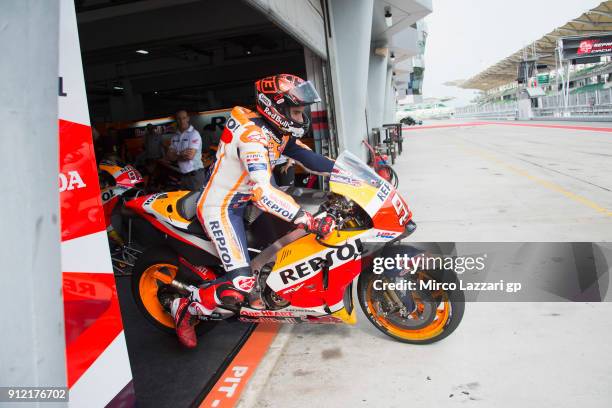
x: 494, y: 182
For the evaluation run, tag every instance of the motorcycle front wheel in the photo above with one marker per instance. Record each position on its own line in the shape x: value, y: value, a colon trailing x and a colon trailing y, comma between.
x: 426, y: 317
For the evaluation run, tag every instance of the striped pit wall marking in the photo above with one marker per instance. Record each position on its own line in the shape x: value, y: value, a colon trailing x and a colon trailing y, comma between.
x: 227, y: 390
x: 98, y: 367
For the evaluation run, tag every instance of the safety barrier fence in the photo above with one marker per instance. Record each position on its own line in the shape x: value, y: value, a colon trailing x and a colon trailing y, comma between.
x: 592, y: 105
x: 507, y: 110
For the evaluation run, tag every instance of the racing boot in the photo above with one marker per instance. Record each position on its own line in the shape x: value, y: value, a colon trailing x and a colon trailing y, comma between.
x: 221, y: 294
x: 229, y: 291
x: 201, y: 302
x: 184, y: 321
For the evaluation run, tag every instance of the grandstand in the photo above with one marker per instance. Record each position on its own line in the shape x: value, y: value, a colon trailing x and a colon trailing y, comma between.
x: 578, y: 90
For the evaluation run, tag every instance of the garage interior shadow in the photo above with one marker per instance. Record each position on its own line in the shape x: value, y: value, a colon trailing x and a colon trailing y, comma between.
x: 148, y: 59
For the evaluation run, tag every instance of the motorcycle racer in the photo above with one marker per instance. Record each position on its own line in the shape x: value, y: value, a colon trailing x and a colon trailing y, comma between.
x: 250, y: 146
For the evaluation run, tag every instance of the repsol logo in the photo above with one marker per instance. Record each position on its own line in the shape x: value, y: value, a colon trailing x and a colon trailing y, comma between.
x: 217, y: 233
x: 384, y: 191
x: 329, y: 259
x: 276, y: 208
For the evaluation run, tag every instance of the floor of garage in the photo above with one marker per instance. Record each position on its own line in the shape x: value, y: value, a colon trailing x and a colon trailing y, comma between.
x: 492, y: 182
x: 166, y: 374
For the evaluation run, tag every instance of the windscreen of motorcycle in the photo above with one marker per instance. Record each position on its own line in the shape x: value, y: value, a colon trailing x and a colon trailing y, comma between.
x: 354, y: 179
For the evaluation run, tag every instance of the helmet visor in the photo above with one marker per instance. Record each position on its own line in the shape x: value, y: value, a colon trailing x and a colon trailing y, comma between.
x: 304, y: 93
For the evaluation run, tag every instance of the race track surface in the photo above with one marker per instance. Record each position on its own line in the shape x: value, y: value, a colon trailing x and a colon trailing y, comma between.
x: 483, y: 182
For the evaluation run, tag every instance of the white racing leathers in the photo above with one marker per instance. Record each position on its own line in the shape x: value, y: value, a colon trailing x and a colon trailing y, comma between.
x: 247, y: 153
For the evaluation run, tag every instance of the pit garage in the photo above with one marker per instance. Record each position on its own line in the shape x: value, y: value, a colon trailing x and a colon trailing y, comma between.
x: 145, y: 60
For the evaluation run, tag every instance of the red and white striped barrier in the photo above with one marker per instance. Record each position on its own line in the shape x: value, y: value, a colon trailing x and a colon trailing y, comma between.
x: 97, y: 361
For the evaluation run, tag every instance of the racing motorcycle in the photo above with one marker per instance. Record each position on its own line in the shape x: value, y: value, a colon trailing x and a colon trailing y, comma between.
x: 119, y: 183
x: 301, y: 277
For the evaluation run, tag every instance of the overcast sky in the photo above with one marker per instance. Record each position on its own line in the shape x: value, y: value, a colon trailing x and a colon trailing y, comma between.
x: 466, y: 37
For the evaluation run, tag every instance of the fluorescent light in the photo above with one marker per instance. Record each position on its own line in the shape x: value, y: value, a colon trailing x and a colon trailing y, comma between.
x: 143, y: 52
x: 118, y: 88
x: 388, y: 17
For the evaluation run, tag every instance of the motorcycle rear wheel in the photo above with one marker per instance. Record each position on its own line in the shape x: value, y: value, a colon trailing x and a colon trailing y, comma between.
x: 154, y: 270
x: 436, y: 314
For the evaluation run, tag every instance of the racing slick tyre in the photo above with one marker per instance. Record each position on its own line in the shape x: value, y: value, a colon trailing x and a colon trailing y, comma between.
x: 434, y: 315
x: 152, y: 273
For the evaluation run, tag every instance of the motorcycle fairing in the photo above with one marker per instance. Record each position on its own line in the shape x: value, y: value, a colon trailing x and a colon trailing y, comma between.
x: 309, y: 274
x: 127, y: 176
x: 110, y: 199
x: 161, y: 211
x: 163, y: 207
x: 164, y: 211
x: 112, y: 192
x: 289, y: 311
x: 293, y: 314
x: 353, y: 179
x: 110, y: 167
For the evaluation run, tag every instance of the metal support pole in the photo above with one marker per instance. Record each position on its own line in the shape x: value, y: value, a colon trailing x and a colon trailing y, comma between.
x: 567, y: 87
x: 557, y: 74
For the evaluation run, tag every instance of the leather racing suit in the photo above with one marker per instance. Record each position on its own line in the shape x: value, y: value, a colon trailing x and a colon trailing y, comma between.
x: 246, y: 156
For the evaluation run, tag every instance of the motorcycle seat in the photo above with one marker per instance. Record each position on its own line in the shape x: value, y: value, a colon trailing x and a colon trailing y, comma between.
x: 187, y: 205
x: 195, y: 228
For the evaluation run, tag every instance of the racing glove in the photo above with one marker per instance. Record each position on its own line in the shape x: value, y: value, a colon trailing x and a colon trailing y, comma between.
x: 319, y: 226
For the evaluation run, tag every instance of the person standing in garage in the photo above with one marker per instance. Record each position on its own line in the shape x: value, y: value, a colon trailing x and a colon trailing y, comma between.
x: 186, y: 149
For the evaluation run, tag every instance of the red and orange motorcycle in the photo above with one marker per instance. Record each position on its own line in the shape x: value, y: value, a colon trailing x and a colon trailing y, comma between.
x: 119, y: 183
x: 303, y: 278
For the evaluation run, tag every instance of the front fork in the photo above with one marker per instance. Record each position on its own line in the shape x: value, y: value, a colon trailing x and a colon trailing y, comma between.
x: 405, y: 304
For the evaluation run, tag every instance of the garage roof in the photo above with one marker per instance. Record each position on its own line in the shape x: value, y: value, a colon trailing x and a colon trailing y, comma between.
x: 595, y: 21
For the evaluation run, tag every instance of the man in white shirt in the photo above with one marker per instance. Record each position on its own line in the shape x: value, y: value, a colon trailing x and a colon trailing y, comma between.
x: 186, y: 150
